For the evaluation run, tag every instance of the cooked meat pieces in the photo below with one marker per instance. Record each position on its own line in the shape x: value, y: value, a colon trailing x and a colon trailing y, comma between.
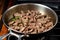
x: 33, y: 13
x: 25, y: 24
x: 29, y: 12
x: 17, y: 14
x: 31, y: 24
x: 16, y: 28
x: 25, y: 19
x: 31, y: 21
x: 49, y: 24
x: 15, y: 24
x: 41, y: 21
x: 23, y: 13
x: 29, y: 29
x: 11, y: 22
x: 20, y: 25
x: 38, y: 24
x: 22, y: 29
x: 40, y: 29
x: 35, y: 31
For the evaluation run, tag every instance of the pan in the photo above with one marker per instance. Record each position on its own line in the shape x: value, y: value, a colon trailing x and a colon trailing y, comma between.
x: 45, y: 10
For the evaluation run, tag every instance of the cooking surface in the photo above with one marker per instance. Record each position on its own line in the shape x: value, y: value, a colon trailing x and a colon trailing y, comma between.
x: 53, y: 34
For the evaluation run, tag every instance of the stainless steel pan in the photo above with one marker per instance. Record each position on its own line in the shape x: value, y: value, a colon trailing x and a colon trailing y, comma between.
x: 45, y: 10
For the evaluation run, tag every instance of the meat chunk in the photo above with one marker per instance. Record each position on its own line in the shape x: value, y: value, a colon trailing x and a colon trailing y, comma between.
x: 49, y: 24
x: 25, y: 19
x: 33, y: 13
x: 16, y: 22
x: 22, y: 12
x: 16, y: 28
x: 34, y: 31
x: 29, y: 12
x: 16, y: 14
x: 39, y: 24
x: 29, y: 29
x: 41, y: 21
x: 40, y: 29
x: 11, y: 22
x: 22, y: 29
x: 31, y: 24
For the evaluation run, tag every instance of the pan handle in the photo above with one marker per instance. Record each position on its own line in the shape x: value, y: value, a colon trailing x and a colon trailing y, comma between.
x: 10, y: 33
x: 2, y: 37
x: 14, y: 34
x: 20, y: 36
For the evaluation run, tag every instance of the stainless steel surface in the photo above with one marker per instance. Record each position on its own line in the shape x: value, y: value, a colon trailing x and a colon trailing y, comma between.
x: 10, y: 33
x: 11, y: 36
x: 44, y: 10
x: 4, y: 36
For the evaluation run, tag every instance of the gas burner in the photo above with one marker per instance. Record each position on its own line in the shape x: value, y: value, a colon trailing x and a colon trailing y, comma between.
x: 12, y: 37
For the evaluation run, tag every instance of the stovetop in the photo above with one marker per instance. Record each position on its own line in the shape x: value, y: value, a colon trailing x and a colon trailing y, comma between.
x: 53, y: 34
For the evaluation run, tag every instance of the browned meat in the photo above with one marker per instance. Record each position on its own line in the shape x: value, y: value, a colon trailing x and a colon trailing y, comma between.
x: 38, y: 24
x: 15, y: 24
x: 16, y: 28
x: 25, y: 19
x: 22, y: 12
x: 22, y: 29
x: 11, y: 22
x: 29, y: 29
x: 49, y: 24
x: 20, y: 24
x: 33, y: 13
x: 41, y: 21
x: 31, y: 21
x: 34, y: 31
x: 17, y: 14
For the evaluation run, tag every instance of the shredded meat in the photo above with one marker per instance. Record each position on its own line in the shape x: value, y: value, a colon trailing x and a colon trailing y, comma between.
x: 31, y: 22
